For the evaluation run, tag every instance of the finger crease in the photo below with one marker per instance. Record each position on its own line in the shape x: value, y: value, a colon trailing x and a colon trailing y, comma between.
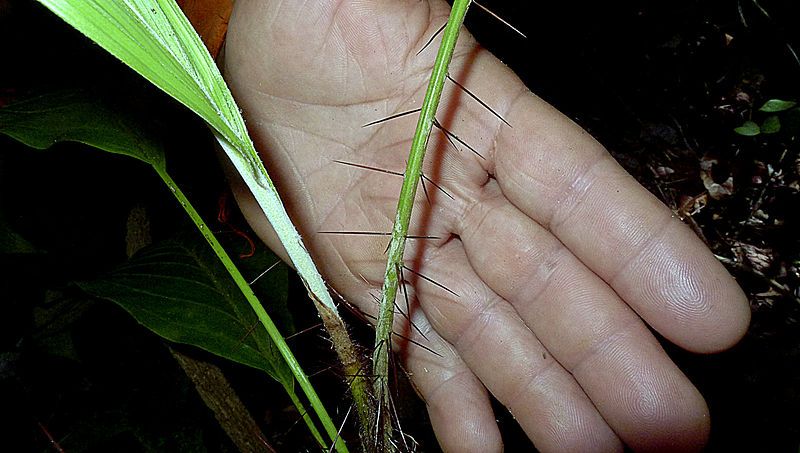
x: 601, y: 347
x: 627, y: 262
x: 485, y: 314
x: 572, y: 196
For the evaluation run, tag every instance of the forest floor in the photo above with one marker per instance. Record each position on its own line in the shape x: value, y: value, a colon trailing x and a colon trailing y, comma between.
x: 663, y: 85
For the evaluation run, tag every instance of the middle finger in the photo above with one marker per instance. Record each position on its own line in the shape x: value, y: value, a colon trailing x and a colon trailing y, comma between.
x: 579, y: 318
x: 507, y: 357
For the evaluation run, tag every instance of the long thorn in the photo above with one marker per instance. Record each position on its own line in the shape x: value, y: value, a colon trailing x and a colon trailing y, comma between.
x: 478, y: 100
x: 367, y: 167
x: 393, y: 367
x: 405, y: 291
x: 436, y: 185
x: 416, y: 343
x: 361, y: 314
x: 339, y: 433
x: 448, y: 133
x: 302, y: 414
x: 397, y: 173
x: 447, y: 136
x: 402, y: 282
x: 396, y: 417
x: 425, y: 190
x: 432, y: 38
x: 499, y: 18
x: 244, y: 337
x: 378, y: 418
x: 364, y: 315
x: 321, y: 371
x: 264, y: 273
x: 381, y: 392
x: 376, y: 233
x: 264, y: 441
x: 50, y: 437
x: 360, y: 373
x: 430, y: 280
x: 396, y: 115
x: 307, y: 329
x: 405, y: 315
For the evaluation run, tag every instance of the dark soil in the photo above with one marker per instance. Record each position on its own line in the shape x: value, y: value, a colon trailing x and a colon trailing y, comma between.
x: 661, y: 84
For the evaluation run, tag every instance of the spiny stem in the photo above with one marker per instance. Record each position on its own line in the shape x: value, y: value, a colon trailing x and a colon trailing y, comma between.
x: 407, y: 196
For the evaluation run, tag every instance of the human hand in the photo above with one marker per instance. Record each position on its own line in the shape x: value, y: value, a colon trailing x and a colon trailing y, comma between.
x: 556, y: 253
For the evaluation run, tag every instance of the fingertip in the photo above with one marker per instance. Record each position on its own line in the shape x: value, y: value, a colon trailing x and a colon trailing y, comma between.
x: 729, y: 326
x: 458, y: 403
x: 468, y: 437
x: 462, y: 417
x: 680, y: 288
x: 644, y: 396
x: 685, y: 430
x: 712, y: 311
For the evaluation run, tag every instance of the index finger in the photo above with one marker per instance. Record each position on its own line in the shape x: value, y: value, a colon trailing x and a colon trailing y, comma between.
x: 557, y: 174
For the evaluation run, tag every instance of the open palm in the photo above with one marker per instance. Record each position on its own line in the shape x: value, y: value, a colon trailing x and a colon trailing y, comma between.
x: 552, y: 255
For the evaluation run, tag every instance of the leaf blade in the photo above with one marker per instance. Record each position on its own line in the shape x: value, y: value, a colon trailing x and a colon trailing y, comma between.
x: 179, y: 291
x: 78, y: 116
x: 771, y: 125
x: 748, y: 129
x: 156, y: 40
x: 777, y: 105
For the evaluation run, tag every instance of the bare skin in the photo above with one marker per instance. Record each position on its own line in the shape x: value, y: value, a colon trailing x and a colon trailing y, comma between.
x: 557, y: 255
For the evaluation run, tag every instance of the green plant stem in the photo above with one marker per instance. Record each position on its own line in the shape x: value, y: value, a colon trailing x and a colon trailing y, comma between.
x: 269, y: 201
x: 156, y: 39
x: 408, y: 192
x: 265, y: 320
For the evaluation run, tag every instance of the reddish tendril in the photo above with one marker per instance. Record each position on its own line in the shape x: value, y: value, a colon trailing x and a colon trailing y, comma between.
x: 222, y: 217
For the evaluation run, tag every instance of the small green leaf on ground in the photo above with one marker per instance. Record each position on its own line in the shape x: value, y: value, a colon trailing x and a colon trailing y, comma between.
x: 78, y: 116
x: 777, y: 105
x: 748, y: 129
x: 771, y: 125
x: 180, y: 291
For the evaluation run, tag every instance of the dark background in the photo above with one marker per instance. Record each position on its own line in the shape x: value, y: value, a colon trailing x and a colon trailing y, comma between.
x: 661, y: 84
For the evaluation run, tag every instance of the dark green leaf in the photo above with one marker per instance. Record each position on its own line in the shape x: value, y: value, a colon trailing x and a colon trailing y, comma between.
x: 179, y: 290
x: 771, y: 125
x: 12, y: 242
x: 777, y: 105
x: 78, y: 116
x: 748, y: 129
